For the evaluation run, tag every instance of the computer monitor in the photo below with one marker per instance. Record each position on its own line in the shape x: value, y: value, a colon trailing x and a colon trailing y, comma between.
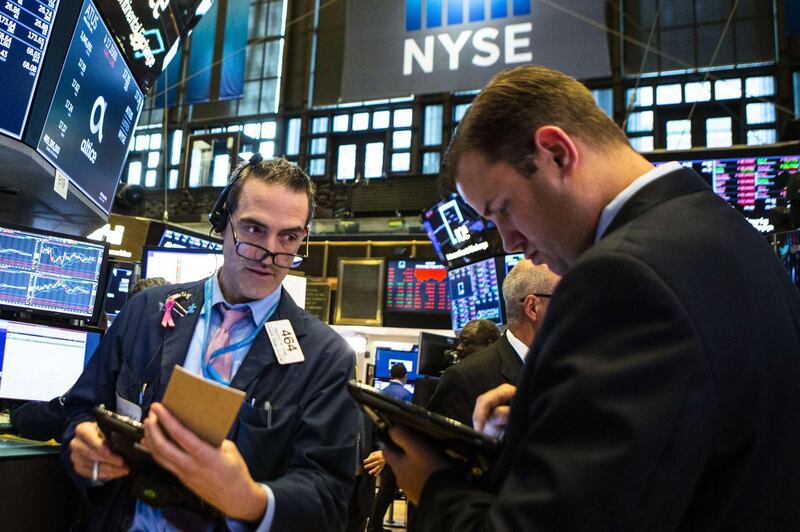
x: 385, y: 358
x: 417, y: 295
x: 173, y: 238
x: 380, y: 384
x: 39, y: 362
x: 121, y: 277
x: 511, y: 260
x: 44, y: 272
x: 459, y: 235
x: 475, y: 293
x: 753, y: 180
x: 433, y: 353
x: 180, y: 265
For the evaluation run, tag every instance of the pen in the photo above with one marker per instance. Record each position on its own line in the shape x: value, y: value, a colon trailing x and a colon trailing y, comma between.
x: 141, y: 394
x: 268, y: 408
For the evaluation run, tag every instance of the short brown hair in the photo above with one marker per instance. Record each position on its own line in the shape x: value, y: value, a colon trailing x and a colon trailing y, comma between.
x: 501, y: 120
x: 277, y: 171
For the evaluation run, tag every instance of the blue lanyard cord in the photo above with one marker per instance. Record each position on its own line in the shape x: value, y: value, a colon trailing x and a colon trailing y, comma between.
x: 208, y: 371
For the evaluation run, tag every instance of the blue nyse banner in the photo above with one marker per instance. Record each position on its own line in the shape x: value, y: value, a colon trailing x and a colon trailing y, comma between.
x: 399, y: 48
x: 216, y: 62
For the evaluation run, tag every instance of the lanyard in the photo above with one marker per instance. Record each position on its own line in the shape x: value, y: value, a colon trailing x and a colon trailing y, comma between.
x: 208, y: 371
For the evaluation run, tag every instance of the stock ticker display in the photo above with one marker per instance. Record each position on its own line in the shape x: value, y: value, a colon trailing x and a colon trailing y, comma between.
x: 475, y: 293
x: 416, y: 286
x: 24, y: 35
x: 49, y: 273
x: 753, y: 185
x: 94, y: 111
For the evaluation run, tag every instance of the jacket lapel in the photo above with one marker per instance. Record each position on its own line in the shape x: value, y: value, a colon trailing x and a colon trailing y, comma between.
x: 178, y: 338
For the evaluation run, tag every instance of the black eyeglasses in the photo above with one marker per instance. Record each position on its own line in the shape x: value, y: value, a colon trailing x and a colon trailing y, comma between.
x: 535, y: 294
x: 257, y: 253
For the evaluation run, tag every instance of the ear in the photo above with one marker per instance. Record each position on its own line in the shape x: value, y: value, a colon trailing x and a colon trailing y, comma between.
x: 556, y: 147
x: 529, y: 307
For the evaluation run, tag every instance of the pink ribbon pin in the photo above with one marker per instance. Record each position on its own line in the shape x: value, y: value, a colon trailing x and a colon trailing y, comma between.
x: 167, y: 321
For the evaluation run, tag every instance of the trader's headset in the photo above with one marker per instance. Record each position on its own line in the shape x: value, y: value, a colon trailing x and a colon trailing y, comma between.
x: 218, y: 217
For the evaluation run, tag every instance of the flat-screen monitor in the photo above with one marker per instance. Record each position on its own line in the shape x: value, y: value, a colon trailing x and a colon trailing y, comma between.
x: 39, y: 362
x: 24, y: 38
x: 121, y: 276
x: 458, y: 234
x: 50, y: 273
x: 511, y: 260
x: 433, y: 353
x: 417, y: 294
x: 752, y: 180
x: 180, y: 265
x: 93, y: 112
x: 475, y: 293
x: 380, y: 384
x: 173, y: 238
x: 385, y: 358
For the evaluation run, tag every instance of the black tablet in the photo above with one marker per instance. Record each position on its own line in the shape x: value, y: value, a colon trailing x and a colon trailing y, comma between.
x: 469, y: 449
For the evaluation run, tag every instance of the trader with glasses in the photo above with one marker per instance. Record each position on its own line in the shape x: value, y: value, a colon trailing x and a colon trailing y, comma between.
x: 288, y: 462
x: 526, y: 291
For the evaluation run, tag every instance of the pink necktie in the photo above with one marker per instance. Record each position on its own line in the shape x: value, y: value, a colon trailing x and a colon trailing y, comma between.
x: 223, y: 363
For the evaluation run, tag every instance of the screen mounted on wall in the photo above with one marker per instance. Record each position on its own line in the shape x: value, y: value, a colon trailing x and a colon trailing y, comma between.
x: 93, y: 113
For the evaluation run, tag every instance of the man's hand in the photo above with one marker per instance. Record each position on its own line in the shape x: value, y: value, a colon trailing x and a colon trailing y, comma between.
x: 491, y: 413
x: 374, y: 463
x: 413, y: 463
x: 91, y: 457
x: 218, y: 475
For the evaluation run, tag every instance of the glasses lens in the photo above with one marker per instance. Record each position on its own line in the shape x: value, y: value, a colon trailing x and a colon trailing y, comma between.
x: 250, y: 252
x: 284, y: 260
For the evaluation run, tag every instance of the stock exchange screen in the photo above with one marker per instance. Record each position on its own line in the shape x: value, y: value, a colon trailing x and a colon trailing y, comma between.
x: 94, y: 111
x: 475, y: 293
x: 753, y: 185
x: 49, y: 273
x: 416, y: 286
x: 24, y: 35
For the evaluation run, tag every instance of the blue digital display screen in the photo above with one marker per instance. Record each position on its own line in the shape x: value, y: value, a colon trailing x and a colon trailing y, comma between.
x: 94, y: 111
x: 120, y: 281
x: 385, y: 358
x: 475, y: 293
x: 49, y: 273
x: 24, y: 35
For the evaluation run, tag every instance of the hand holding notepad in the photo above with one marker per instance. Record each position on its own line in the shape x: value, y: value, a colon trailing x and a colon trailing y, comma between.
x: 205, y: 407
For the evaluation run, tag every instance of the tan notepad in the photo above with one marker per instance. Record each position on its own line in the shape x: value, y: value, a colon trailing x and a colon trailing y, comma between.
x: 206, y: 408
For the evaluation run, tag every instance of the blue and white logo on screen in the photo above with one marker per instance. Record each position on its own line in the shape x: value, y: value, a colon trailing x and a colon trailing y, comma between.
x: 487, y: 41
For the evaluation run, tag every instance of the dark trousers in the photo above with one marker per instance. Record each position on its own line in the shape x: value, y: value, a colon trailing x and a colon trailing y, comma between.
x: 361, y: 503
x: 384, y: 498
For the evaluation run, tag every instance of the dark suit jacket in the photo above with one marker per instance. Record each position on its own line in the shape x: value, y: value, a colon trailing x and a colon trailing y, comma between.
x: 462, y: 383
x: 662, y: 393
x: 304, y: 449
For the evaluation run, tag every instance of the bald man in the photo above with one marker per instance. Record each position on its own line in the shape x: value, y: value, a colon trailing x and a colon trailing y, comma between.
x: 526, y: 291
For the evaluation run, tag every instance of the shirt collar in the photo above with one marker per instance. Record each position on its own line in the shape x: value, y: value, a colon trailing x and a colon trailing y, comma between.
x: 260, y: 308
x: 612, y: 209
x: 518, y: 345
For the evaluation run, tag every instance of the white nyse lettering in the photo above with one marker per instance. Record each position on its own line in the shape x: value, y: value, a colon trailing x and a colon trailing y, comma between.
x: 411, y: 51
x: 483, y: 42
x: 513, y: 43
x: 454, y: 48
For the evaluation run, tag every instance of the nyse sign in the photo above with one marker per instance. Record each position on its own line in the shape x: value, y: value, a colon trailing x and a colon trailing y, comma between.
x: 406, y: 47
x: 483, y: 45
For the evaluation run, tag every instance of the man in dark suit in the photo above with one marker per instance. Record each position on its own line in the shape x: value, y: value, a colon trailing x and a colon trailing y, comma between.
x: 526, y: 292
x: 662, y: 392
x: 288, y: 461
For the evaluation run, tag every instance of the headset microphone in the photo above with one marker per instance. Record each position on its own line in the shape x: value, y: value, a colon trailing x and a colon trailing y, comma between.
x: 218, y: 217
